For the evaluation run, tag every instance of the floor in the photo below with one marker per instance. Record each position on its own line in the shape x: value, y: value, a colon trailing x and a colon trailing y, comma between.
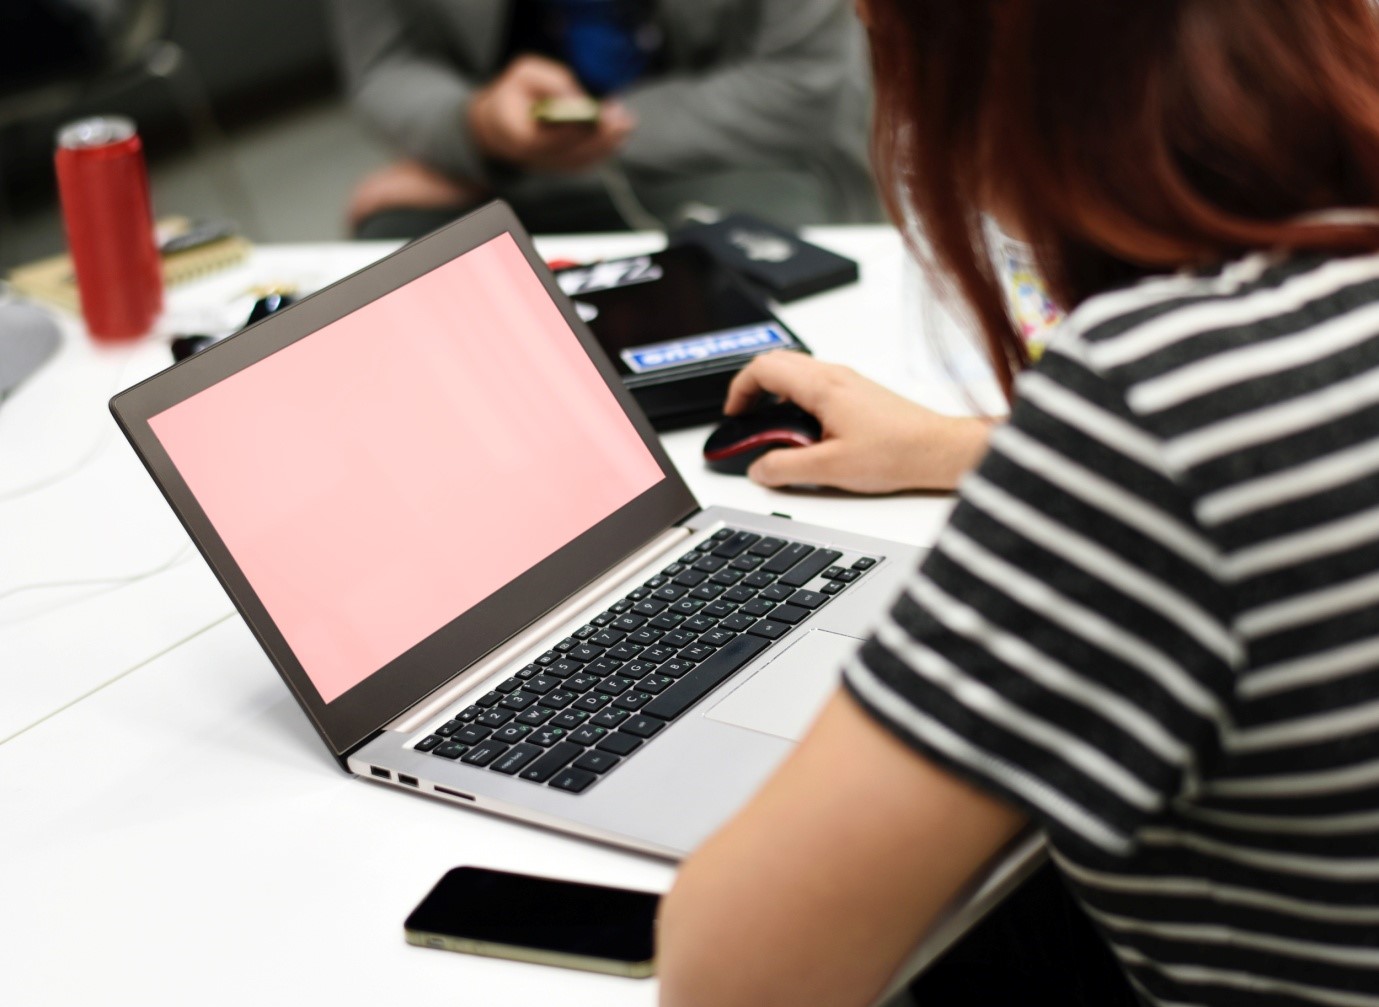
x: 284, y: 179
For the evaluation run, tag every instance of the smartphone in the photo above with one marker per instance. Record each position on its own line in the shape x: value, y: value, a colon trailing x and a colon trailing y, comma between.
x: 575, y: 110
x: 543, y: 920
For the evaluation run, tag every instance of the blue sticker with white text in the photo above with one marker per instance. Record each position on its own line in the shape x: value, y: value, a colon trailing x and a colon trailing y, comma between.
x: 751, y: 339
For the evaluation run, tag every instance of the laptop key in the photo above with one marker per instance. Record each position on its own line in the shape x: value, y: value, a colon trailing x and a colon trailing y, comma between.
x: 450, y: 750
x: 610, y: 717
x: 736, y: 544
x: 703, y: 679
x: 449, y: 727
x: 574, y: 780
x: 589, y: 734
x: 536, y: 716
x: 833, y: 587
x: 679, y: 638
x: 787, y: 557
x: 728, y: 578
x: 759, y: 607
x: 679, y: 667
x: 559, y: 699
x: 547, y: 736
x: 708, y: 592
x: 494, y: 718
x: 511, y: 685
x: 746, y: 563
x: 619, y: 744
x: 552, y: 762
x: 667, y: 620
x: 581, y: 683
x: 593, y: 701
x: 632, y: 700
x: 651, y: 607
x: 483, y: 754
x: 691, y: 578
x: 737, y: 622
x: 427, y: 743
x: 767, y: 547
x: 515, y: 758
x: 759, y: 578
x: 864, y: 564
x: 846, y: 576
x: 737, y: 595
x: 615, y: 684
x: 604, y: 666
x: 625, y: 651
x: 804, y: 571
x: 710, y: 564
x: 468, y: 714
x: 700, y: 623
x: 642, y: 726
x: 655, y: 684
x: 570, y: 719
x: 597, y: 762
x: 832, y: 573
x: 512, y: 733
x: 717, y: 636
x: 519, y: 701
x: 792, y: 614
x: 696, y: 652
x: 471, y: 735
x: 489, y: 699
x: 585, y: 653
x: 645, y: 637
x: 564, y: 668
x: 807, y: 599
x: 769, y: 630
x: 777, y: 592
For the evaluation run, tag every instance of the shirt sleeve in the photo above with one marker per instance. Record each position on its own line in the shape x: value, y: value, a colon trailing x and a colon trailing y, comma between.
x: 763, y: 102
x: 405, y: 86
x: 1066, y: 643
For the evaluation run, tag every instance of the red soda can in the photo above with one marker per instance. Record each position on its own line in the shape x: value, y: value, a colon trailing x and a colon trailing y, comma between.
x: 108, y: 214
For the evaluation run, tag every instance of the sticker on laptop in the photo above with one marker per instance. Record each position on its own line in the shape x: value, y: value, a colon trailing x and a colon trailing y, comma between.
x: 609, y: 275
x: 750, y: 339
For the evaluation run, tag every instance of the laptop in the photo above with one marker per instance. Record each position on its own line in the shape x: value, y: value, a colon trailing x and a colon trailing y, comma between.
x: 458, y: 539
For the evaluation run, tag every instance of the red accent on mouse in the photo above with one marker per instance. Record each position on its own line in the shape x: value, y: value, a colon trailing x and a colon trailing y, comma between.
x: 742, y: 439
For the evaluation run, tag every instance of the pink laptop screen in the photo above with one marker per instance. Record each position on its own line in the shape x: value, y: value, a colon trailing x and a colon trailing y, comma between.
x: 384, y: 474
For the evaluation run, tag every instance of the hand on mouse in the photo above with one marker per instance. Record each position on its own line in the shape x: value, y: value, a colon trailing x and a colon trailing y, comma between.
x: 874, y: 441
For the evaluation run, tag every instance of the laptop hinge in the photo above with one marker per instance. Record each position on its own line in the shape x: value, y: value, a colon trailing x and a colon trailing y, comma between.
x: 671, y: 540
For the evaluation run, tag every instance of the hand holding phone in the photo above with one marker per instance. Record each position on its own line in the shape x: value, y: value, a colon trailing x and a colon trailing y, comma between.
x: 543, y: 920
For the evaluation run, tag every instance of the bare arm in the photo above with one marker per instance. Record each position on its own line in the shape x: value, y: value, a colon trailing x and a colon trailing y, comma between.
x: 817, y: 891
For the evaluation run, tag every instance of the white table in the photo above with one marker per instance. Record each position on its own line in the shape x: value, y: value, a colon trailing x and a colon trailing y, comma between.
x: 172, y: 829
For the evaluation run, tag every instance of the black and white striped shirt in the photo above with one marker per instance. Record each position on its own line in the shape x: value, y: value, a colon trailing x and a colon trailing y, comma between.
x: 1153, y: 623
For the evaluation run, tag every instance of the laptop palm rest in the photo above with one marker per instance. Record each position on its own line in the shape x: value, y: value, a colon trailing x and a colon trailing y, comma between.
x: 784, y: 697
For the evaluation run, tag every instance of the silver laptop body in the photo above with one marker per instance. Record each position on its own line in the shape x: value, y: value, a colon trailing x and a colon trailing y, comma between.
x: 682, y: 781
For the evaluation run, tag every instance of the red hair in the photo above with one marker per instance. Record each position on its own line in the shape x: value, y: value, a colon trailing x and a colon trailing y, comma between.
x: 1122, y: 139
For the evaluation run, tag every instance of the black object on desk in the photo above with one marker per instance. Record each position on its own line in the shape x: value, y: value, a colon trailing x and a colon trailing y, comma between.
x: 677, y: 326
x: 740, y: 440
x: 781, y: 264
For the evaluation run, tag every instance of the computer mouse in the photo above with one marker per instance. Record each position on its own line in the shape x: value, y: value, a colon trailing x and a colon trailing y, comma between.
x: 742, y: 439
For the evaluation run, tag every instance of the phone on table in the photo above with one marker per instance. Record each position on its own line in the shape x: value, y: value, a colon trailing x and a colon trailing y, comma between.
x: 568, y: 110
x: 544, y: 920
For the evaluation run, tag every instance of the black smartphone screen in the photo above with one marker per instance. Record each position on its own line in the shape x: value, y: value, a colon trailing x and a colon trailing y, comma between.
x: 568, y: 917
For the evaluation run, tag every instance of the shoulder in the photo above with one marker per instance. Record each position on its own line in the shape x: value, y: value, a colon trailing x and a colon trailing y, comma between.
x: 1226, y: 340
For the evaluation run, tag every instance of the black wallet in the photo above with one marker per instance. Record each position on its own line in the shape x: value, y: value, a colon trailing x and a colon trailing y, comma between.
x: 780, y: 263
x: 677, y: 326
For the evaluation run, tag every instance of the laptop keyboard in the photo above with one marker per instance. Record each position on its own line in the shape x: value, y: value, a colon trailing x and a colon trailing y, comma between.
x: 602, y: 694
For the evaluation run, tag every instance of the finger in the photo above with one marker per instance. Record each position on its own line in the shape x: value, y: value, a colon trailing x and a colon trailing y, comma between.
x: 788, y: 373
x: 817, y: 465
x: 545, y: 78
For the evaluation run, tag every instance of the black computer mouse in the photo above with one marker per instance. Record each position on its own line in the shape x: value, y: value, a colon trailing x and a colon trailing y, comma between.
x: 742, y: 439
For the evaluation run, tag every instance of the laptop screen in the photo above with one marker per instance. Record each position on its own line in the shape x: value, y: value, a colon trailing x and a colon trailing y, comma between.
x: 381, y: 476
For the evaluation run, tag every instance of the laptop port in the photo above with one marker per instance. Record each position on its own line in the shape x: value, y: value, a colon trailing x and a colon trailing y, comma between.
x: 454, y: 793
x: 382, y: 774
x: 410, y: 781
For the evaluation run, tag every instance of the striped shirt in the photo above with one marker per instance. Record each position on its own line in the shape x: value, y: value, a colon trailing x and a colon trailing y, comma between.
x: 1153, y: 623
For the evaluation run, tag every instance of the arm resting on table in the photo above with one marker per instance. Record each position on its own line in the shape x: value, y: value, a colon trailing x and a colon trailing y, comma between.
x: 819, y: 889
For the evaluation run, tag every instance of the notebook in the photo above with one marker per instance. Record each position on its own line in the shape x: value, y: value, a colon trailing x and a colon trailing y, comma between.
x: 462, y: 546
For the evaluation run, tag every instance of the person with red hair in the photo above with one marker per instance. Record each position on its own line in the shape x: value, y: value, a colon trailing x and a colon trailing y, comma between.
x: 1150, y: 628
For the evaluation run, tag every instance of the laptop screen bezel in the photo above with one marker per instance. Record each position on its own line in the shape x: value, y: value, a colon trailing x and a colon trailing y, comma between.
x: 358, y: 714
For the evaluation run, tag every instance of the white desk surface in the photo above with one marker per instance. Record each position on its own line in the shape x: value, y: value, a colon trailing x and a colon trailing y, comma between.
x: 173, y: 831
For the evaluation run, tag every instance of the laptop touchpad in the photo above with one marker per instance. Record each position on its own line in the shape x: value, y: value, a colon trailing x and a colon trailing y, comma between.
x: 784, y: 697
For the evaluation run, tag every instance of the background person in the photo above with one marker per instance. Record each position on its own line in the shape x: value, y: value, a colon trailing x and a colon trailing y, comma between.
x: 757, y: 105
x: 1149, y: 627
